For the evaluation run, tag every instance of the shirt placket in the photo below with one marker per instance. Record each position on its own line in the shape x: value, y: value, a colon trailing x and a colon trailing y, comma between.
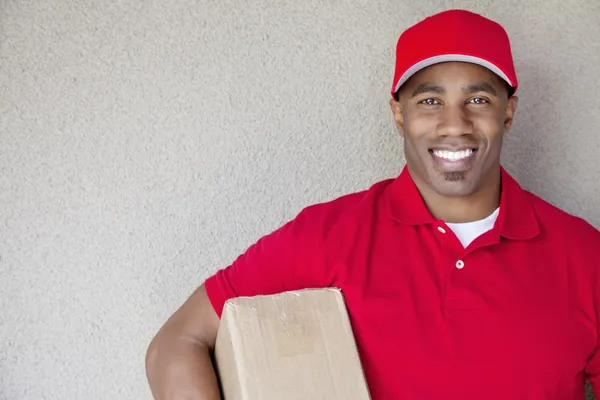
x: 457, y: 260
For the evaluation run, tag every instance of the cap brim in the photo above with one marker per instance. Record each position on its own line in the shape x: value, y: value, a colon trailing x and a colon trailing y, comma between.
x: 447, y: 58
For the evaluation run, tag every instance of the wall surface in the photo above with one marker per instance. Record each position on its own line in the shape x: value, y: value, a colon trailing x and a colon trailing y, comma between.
x: 145, y: 144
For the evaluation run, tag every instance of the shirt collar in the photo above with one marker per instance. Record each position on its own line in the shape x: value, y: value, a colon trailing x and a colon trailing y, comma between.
x: 517, y: 219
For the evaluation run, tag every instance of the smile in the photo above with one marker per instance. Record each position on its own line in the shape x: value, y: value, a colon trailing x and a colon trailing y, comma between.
x: 454, y: 155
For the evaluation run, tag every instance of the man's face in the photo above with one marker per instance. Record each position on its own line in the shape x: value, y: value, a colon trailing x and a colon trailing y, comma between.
x: 453, y: 117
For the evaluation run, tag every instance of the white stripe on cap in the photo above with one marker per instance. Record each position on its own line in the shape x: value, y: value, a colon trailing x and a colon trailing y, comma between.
x: 446, y: 58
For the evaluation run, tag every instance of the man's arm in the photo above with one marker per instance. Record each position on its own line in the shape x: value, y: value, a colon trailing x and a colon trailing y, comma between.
x: 178, y: 360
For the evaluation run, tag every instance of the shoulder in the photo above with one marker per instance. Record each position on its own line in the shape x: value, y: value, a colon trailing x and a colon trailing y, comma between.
x: 555, y: 219
x: 343, y: 209
x: 310, y: 227
x: 573, y: 242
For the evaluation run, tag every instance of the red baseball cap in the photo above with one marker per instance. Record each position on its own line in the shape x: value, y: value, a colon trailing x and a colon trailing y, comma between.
x: 454, y: 35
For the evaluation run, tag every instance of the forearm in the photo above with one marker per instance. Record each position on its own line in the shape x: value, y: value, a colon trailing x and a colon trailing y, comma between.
x: 181, y: 369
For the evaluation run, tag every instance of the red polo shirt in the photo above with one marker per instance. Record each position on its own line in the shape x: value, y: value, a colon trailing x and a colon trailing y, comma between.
x: 515, y: 315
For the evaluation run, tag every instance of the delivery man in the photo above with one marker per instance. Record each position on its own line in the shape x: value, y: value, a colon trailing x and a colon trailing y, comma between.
x: 459, y: 283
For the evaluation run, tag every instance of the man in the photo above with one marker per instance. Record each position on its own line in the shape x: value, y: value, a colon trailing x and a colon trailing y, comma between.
x: 459, y: 283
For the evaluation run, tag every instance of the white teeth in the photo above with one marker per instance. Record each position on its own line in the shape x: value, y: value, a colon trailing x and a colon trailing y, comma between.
x: 453, y: 155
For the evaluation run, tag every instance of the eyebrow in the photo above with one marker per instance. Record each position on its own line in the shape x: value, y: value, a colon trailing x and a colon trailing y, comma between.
x: 481, y: 87
x: 428, y: 88
x: 470, y: 89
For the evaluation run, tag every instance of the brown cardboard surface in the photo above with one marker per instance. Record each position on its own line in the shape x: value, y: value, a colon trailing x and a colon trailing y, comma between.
x: 290, y: 346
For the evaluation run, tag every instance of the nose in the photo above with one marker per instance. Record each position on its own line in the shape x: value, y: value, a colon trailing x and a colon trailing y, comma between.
x: 454, y: 121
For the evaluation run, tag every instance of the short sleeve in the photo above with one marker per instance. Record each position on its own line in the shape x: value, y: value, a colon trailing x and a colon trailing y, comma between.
x: 290, y: 258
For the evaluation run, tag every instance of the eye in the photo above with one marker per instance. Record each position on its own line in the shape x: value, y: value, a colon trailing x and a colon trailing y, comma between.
x: 430, y: 102
x: 478, y: 100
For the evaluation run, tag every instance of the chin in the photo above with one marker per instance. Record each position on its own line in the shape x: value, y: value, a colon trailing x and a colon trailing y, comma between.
x: 452, y: 184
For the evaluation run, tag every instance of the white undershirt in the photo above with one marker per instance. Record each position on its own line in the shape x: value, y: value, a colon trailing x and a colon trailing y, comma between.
x: 469, y: 231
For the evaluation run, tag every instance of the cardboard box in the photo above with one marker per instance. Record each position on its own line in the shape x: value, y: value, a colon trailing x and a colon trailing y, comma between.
x: 291, y: 346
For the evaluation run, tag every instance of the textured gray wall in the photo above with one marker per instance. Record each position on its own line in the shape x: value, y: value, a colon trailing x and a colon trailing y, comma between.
x: 145, y: 144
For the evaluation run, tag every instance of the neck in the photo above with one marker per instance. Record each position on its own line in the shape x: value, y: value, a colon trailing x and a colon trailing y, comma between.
x: 476, y: 206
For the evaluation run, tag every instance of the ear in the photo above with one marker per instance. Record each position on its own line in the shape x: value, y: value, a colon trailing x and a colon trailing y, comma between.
x: 396, y: 108
x: 509, y: 114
